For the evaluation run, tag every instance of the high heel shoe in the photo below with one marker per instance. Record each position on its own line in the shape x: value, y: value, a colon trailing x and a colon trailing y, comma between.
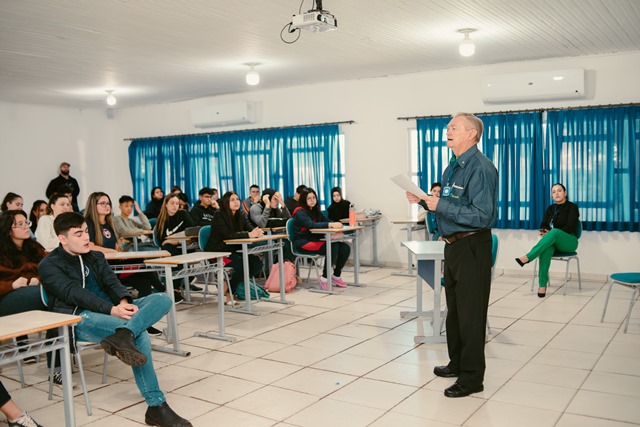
x: 542, y: 294
x: 520, y: 262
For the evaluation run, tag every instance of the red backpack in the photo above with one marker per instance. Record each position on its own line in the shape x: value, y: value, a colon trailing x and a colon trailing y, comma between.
x: 273, y: 281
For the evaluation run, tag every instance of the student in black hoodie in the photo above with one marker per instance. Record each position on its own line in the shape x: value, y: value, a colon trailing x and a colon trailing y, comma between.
x: 155, y: 205
x: 203, y: 211
x: 171, y: 220
x: 339, y: 207
x: 230, y: 223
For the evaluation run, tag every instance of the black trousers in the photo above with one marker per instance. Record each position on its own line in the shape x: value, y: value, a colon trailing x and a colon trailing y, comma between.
x: 467, y: 278
x: 255, y: 265
x: 4, y: 395
x: 340, y: 252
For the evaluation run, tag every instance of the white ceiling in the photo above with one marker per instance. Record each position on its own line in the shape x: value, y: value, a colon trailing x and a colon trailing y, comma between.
x: 68, y: 52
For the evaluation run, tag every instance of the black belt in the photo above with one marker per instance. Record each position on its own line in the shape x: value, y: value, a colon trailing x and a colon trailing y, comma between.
x: 450, y: 239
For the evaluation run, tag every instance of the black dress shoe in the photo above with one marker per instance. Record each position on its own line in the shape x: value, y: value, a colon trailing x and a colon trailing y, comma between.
x: 445, y: 372
x: 459, y: 390
x: 542, y: 294
x: 194, y: 288
x: 522, y: 264
x: 122, y: 345
x: 163, y: 416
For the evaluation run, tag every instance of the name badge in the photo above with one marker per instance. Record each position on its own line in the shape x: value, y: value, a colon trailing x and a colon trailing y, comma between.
x: 446, y: 191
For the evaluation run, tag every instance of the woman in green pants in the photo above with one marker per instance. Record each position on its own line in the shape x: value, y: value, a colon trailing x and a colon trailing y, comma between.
x: 558, y: 231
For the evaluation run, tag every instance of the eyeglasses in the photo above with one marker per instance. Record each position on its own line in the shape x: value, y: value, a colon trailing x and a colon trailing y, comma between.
x: 104, y: 204
x: 22, y: 225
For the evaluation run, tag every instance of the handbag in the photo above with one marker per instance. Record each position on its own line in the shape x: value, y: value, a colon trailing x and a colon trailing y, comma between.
x: 255, y: 291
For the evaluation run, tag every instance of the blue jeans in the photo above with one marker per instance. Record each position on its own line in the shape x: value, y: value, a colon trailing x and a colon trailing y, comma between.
x: 95, y: 327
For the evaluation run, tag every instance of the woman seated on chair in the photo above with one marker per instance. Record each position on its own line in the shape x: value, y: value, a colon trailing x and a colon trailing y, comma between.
x: 558, y: 231
x: 339, y: 207
x: 171, y: 220
x: 38, y: 209
x: 307, y: 216
x: 230, y: 223
x: 19, y: 259
x: 45, y: 234
x: 103, y: 238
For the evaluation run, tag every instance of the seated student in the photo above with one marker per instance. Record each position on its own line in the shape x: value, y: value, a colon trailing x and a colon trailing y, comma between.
x: 292, y: 202
x: 339, y: 207
x: 124, y: 223
x: 216, y: 194
x: 431, y: 216
x: 103, y: 238
x: 19, y: 258
x: 16, y: 417
x: 155, y: 205
x: 230, y: 223
x: 68, y: 192
x: 79, y: 280
x: 12, y: 202
x: 254, y: 197
x: 184, y: 201
x: 171, y: 220
x: 203, y: 211
x: 270, y: 206
x: 307, y: 216
x: 45, y: 234
x: 38, y: 209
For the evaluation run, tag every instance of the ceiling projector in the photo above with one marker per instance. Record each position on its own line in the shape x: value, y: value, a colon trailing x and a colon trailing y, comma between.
x: 315, y: 21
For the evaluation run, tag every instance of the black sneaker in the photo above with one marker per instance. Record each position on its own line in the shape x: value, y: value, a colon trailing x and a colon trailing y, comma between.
x: 153, y: 331
x: 194, y: 288
x: 177, y: 297
x: 57, y: 380
x: 24, y: 420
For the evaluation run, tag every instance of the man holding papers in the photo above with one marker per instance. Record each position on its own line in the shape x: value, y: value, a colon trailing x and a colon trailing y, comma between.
x: 465, y: 212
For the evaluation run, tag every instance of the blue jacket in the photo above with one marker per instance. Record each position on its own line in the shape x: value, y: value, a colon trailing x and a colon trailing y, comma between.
x: 302, y: 223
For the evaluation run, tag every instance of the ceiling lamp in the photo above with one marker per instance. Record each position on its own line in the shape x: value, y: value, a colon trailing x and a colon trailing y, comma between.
x: 252, y: 77
x: 111, y: 99
x: 466, y: 47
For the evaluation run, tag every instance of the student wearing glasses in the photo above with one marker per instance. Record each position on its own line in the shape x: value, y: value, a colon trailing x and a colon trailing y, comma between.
x: 19, y: 258
x: 203, y: 211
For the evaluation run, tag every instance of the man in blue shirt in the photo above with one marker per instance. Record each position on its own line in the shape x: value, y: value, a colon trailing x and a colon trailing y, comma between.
x: 465, y: 211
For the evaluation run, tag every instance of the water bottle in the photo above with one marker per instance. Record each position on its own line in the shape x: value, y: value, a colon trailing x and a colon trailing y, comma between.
x: 352, y: 215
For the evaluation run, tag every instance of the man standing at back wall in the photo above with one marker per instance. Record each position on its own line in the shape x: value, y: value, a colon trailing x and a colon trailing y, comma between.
x: 65, y: 179
x: 465, y: 212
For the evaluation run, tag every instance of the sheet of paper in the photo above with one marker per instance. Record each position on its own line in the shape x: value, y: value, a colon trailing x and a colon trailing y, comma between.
x: 404, y: 181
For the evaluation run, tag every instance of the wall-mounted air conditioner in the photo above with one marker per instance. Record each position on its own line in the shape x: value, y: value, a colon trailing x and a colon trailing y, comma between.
x: 234, y: 113
x: 533, y: 86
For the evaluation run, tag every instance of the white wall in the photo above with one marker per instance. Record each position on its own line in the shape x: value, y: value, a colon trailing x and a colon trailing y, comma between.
x: 377, y: 144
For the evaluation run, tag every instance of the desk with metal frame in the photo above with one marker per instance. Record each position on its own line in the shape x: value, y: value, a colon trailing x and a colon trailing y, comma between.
x: 356, y: 254
x: 33, y: 322
x: 271, y: 231
x: 273, y: 243
x: 135, y: 236
x: 428, y: 255
x: 412, y: 225
x: 192, y: 269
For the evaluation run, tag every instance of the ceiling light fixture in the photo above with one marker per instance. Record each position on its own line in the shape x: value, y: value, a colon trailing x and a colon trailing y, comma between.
x: 466, y: 46
x: 111, y: 99
x: 252, y: 77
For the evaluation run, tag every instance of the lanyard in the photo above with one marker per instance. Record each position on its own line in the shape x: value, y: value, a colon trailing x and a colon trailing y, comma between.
x: 452, y: 168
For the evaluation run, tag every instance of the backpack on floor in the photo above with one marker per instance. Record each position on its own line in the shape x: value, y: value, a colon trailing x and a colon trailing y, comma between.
x: 273, y: 281
x: 255, y: 291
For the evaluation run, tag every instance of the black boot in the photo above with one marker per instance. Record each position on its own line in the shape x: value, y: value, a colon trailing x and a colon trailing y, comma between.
x: 122, y: 345
x: 163, y: 416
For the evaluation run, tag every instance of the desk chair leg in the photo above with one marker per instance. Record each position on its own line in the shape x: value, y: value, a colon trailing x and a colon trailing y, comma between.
x: 566, y: 276
x: 19, y: 364
x: 53, y: 364
x: 606, y: 301
x: 579, y: 278
x: 631, y: 303
x: 533, y: 279
x: 84, y: 383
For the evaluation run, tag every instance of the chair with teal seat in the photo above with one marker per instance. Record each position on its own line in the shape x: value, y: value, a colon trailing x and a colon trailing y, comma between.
x: 313, y: 258
x: 566, y: 257
x: 80, y: 347
x: 203, y: 238
x: 629, y: 280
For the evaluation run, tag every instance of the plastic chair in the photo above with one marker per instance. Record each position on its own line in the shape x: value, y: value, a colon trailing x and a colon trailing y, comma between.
x: 564, y: 257
x: 313, y: 258
x: 203, y: 238
x: 80, y: 347
x: 630, y: 280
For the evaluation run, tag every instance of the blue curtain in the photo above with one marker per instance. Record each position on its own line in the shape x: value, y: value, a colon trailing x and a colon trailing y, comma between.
x: 595, y: 153
x: 513, y: 142
x: 280, y: 158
